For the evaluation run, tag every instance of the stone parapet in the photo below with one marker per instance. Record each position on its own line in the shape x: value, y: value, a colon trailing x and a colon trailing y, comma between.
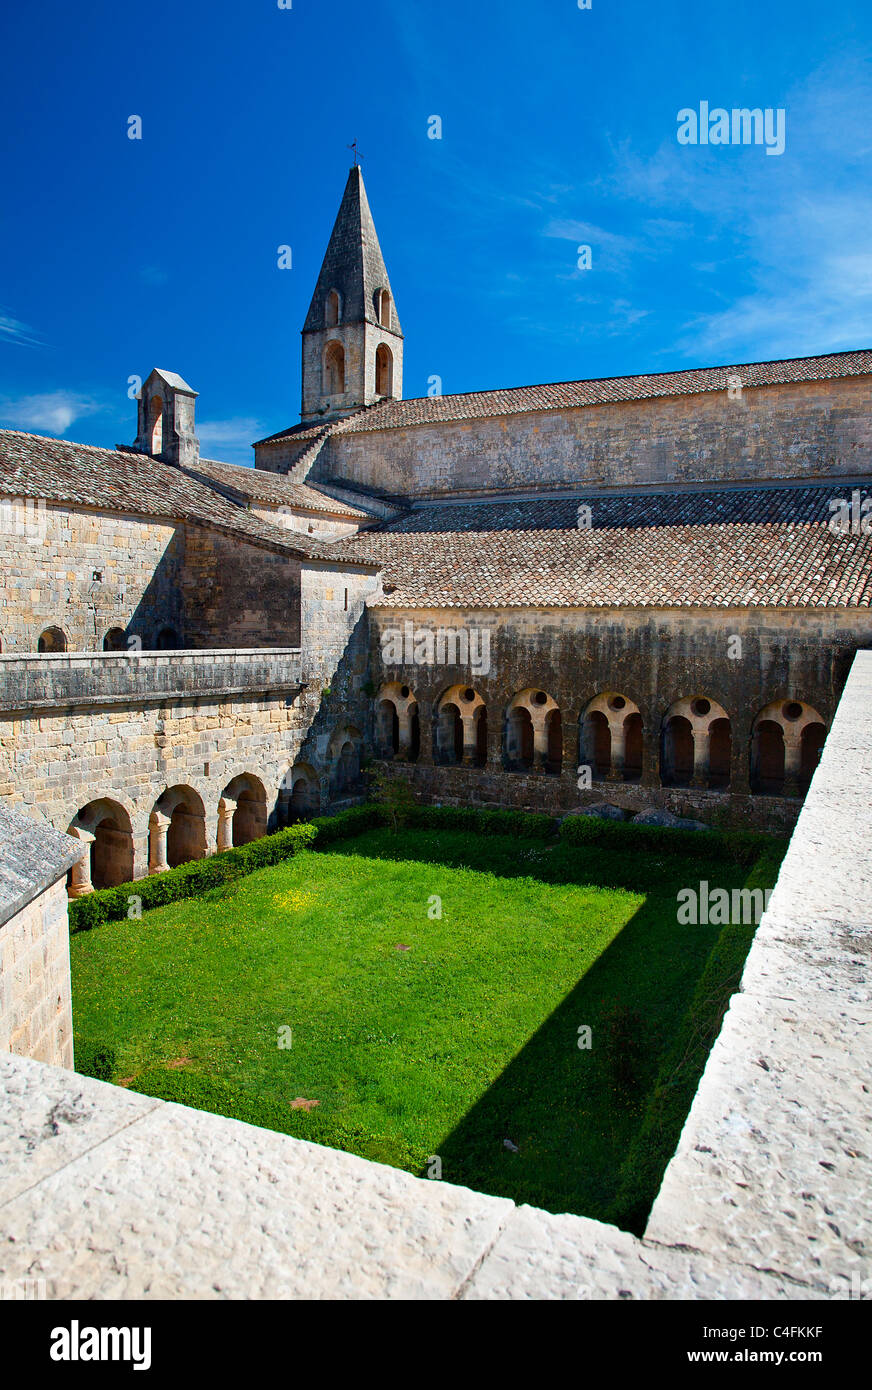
x: 61, y: 679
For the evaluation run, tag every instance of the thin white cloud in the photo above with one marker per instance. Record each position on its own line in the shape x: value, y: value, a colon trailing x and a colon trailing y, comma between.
x: 230, y: 440
x: 52, y: 411
x: 13, y: 331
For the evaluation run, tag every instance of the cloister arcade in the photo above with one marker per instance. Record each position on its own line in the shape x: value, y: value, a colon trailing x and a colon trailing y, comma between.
x: 694, y: 747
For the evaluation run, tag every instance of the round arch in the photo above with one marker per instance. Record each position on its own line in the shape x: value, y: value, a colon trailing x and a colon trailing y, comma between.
x: 611, y: 737
x: 177, y: 828
x: 787, y: 738
x: 696, y: 744
x: 533, y: 733
x: 242, y: 811
x: 107, y: 827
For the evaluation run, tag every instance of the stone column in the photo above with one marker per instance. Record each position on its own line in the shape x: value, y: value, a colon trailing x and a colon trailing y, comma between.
x: 226, y: 807
x: 470, y: 746
x: 792, y: 761
x: 700, y: 756
x: 158, y: 825
x: 404, y: 740
x: 80, y: 873
x: 540, y: 744
x: 618, y: 743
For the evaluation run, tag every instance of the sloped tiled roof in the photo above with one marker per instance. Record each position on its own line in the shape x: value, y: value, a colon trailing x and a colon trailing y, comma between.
x: 564, y: 395
x: 753, y: 547
x: 273, y: 488
x: 122, y: 480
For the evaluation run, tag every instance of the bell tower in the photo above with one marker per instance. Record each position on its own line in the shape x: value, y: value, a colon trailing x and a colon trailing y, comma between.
x: 352, y: 340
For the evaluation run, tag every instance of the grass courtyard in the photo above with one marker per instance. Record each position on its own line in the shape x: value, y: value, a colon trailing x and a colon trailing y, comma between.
x: 419, y: 995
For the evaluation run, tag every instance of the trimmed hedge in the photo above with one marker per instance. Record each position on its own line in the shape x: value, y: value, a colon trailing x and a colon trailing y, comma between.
x: 188, y: 880
x: 742, y: 846
x: 531, y: 825
x: 201, y: 875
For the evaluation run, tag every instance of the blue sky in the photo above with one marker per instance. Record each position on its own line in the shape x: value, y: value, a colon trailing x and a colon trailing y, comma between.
x: 558, y: 129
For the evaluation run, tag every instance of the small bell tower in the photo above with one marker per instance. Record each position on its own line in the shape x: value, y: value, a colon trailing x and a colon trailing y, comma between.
x: 165, y: 419
x: 352, y: 340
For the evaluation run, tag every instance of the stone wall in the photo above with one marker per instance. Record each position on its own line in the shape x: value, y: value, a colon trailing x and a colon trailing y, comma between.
x: 652, y: 658
x: 238, y: 595
x: 816, y: 429
x: 196, y: 721
x: 35, y: 998
x: 35, y: 995
x: 49, y: 562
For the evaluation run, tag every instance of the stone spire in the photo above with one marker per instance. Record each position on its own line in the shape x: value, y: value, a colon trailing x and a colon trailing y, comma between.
x: 352, y: 340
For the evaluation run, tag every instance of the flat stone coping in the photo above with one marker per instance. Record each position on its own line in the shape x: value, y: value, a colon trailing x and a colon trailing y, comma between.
x: 108, y: 1194
x: 774, y: 1165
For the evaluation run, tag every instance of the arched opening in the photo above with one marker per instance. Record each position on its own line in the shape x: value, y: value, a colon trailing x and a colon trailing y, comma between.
x: 384, y: 370
x: 720, y: 749
x: 111, y: 852
x: 450, y: 733
x: 388, y: 729
x: 331, y: 311
x: 347, y: 767
x: 186, y: 831
x: 53, y: 639
x: 597, y: 744
x: 633, y: 748
x: 334, y: 369
x: 519, y: 739
x: 304, y: 800
x: 397, y: 726
x: 460, y: 735
x: 115, y: 640
x: 481, y: 736
x: 813, y: 736
x: 786, y: 741
x: 249, y: 817
x: 168, y: 640
x: 299, y: 795
x: 677, y: 752
x: 383, y: 307
x: 611, y: 738
x: 553, y: 742
x: 767, y: 758
x: 155, y: 424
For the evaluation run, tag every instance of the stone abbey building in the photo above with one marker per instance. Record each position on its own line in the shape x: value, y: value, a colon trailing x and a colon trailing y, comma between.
x: 644, y: 592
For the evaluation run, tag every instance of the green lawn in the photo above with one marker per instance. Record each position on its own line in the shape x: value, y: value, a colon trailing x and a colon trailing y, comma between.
x: 421, y: 1036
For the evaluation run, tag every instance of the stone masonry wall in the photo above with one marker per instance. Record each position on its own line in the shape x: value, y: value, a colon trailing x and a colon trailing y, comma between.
x: 237, y: 595
x: 651, y: 658
x: 49, y: 558
x: 814, y: 429
x: 36, y: 1018
x: 57, y: 758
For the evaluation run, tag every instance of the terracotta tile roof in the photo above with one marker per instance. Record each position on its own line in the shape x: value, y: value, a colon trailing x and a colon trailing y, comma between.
x: 274, y: 488
x: 750, y: 547
x: 563, y: 395
x: 121, y: 480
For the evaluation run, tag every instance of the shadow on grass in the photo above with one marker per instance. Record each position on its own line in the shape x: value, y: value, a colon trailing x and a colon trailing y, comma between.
x: 582, y: 1129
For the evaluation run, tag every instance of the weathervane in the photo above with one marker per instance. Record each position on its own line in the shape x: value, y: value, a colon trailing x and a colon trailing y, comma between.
x: 353, y: 146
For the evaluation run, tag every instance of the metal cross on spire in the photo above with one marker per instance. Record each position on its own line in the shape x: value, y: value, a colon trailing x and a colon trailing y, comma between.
x: 357, y: 152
